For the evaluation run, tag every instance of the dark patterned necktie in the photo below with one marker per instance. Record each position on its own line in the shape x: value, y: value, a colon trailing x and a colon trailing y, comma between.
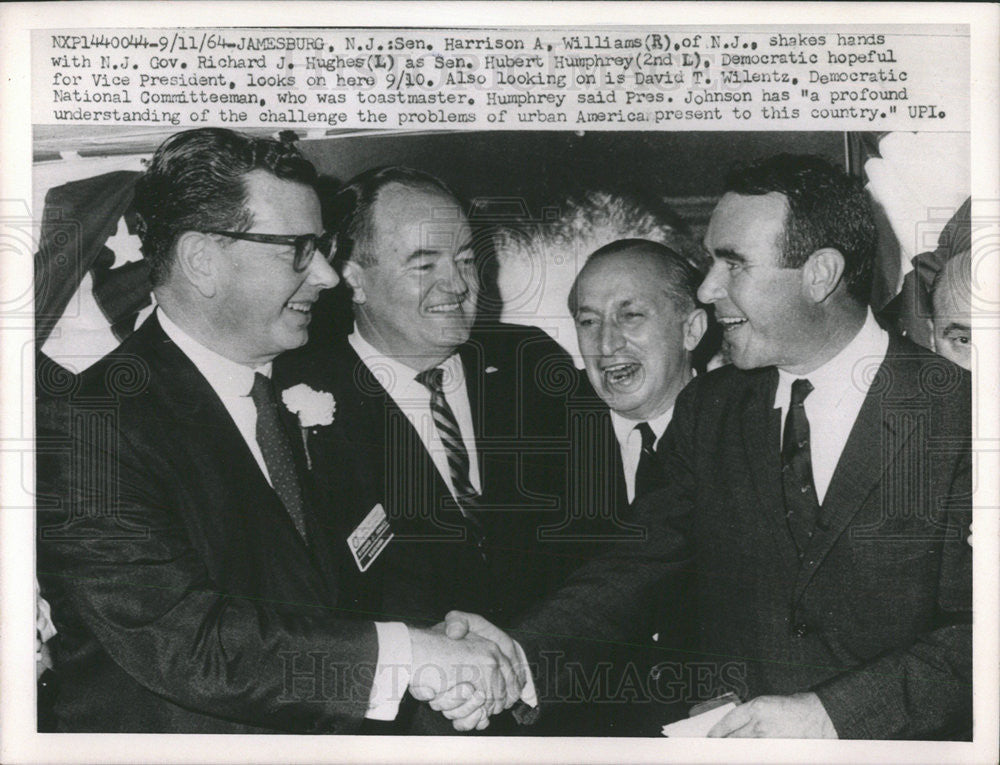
x: 277, y: 451
x: 645, y: 472
x: 448, y: 431
x: 801, y: 503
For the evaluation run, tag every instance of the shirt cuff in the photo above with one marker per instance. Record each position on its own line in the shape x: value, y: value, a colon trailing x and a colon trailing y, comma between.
x: 528, y: 693
x: 392, y: 672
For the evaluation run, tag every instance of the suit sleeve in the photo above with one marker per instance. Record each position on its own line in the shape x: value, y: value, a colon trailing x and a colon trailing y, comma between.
x: 925, y: 688
x: 606, y: 602
x: 127, y: 568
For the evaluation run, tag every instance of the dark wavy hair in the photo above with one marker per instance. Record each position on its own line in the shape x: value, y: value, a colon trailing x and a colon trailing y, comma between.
x: 195, y: 182
x: 826, y: 208
x: 351, y: 211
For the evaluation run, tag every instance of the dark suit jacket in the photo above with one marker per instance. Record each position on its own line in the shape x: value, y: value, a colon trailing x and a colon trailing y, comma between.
x: 605, y: 703
x: 517, y: 380
x: 184, y: 597
x: 876, y: 616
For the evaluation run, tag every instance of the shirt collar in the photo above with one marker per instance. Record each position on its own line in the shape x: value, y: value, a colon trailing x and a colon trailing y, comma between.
x: 624, y: 426
x: 869, y: 344
x: 399, y: 374
x: 227, y: 377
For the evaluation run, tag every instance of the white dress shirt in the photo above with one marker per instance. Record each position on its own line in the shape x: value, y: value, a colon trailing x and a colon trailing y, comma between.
x: 630, y: 443
x: 232, y: 383
x: 414, y: 399
x: 839, y: 390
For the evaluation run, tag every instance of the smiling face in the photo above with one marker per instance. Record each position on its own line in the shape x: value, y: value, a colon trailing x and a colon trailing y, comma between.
x: 262, y: 305
x: 417, y: 301
x: 766, y: 315
x: 634, y: 341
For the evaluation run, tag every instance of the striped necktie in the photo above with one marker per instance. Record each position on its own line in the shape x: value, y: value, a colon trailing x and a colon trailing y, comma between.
x: 448, y: 431
x: 458, y: 456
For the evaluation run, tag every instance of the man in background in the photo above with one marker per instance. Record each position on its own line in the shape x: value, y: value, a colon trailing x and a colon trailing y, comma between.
x: 951, y: 297
x: 637, y: 324
x: 540, y: 267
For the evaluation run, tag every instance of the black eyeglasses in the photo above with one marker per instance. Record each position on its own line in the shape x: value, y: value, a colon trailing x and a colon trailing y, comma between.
x: 306, y: 245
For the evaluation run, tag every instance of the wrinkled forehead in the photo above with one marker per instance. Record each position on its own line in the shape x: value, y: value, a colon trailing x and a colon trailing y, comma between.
x: 411, y: 218
x: 280, y: 206
x: 953, y: 287
x: 623, y: 278
x: 739, y: 221
x: 399, y: 206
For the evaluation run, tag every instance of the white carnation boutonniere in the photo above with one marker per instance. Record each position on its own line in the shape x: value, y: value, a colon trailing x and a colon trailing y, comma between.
x: 313, y: 408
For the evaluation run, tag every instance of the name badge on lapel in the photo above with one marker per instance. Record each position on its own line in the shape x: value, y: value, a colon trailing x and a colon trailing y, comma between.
x: 371, y: 536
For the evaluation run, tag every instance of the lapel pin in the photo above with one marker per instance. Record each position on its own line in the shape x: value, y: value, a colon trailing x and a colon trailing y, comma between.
x: 491, y: 370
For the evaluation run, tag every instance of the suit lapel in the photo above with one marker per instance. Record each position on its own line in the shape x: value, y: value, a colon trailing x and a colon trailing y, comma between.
x: 473, y: 364
x: 312, y: 505
x: 871, y: 450
x: 198, y: 409
x: 361, y: 400
x: 385, y: 433
x: 225, y: 459
x: 762, y: 445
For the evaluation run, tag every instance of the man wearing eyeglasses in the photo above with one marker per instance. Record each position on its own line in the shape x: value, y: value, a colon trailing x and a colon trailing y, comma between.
x: 179, y: 540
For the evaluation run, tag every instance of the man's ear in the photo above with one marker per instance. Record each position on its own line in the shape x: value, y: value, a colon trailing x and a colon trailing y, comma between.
x: 196, y: 256
x: 694, y: 328
x: 354, y: 276
x: 822, y: 273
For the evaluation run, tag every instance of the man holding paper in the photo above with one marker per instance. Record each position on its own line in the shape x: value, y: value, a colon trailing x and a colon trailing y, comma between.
x: 819, y: 489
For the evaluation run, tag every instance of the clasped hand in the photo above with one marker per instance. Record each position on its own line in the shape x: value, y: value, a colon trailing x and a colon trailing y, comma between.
x: 465, y: 668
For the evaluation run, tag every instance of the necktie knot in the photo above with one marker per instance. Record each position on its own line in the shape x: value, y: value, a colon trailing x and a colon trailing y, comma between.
x: 648, y: 476
x: 648, y: 436
x: 432, y: 379
x: 262, y: 393
x: 800, y: 389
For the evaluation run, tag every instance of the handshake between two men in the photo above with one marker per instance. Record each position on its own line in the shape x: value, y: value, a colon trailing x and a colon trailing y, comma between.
x: 469, y: 670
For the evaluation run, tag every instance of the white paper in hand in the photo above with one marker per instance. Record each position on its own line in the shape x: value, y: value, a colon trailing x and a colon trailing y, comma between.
x: 698, y: 726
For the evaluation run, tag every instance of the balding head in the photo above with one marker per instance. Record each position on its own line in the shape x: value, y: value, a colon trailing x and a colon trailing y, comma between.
x: 671, y: 271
